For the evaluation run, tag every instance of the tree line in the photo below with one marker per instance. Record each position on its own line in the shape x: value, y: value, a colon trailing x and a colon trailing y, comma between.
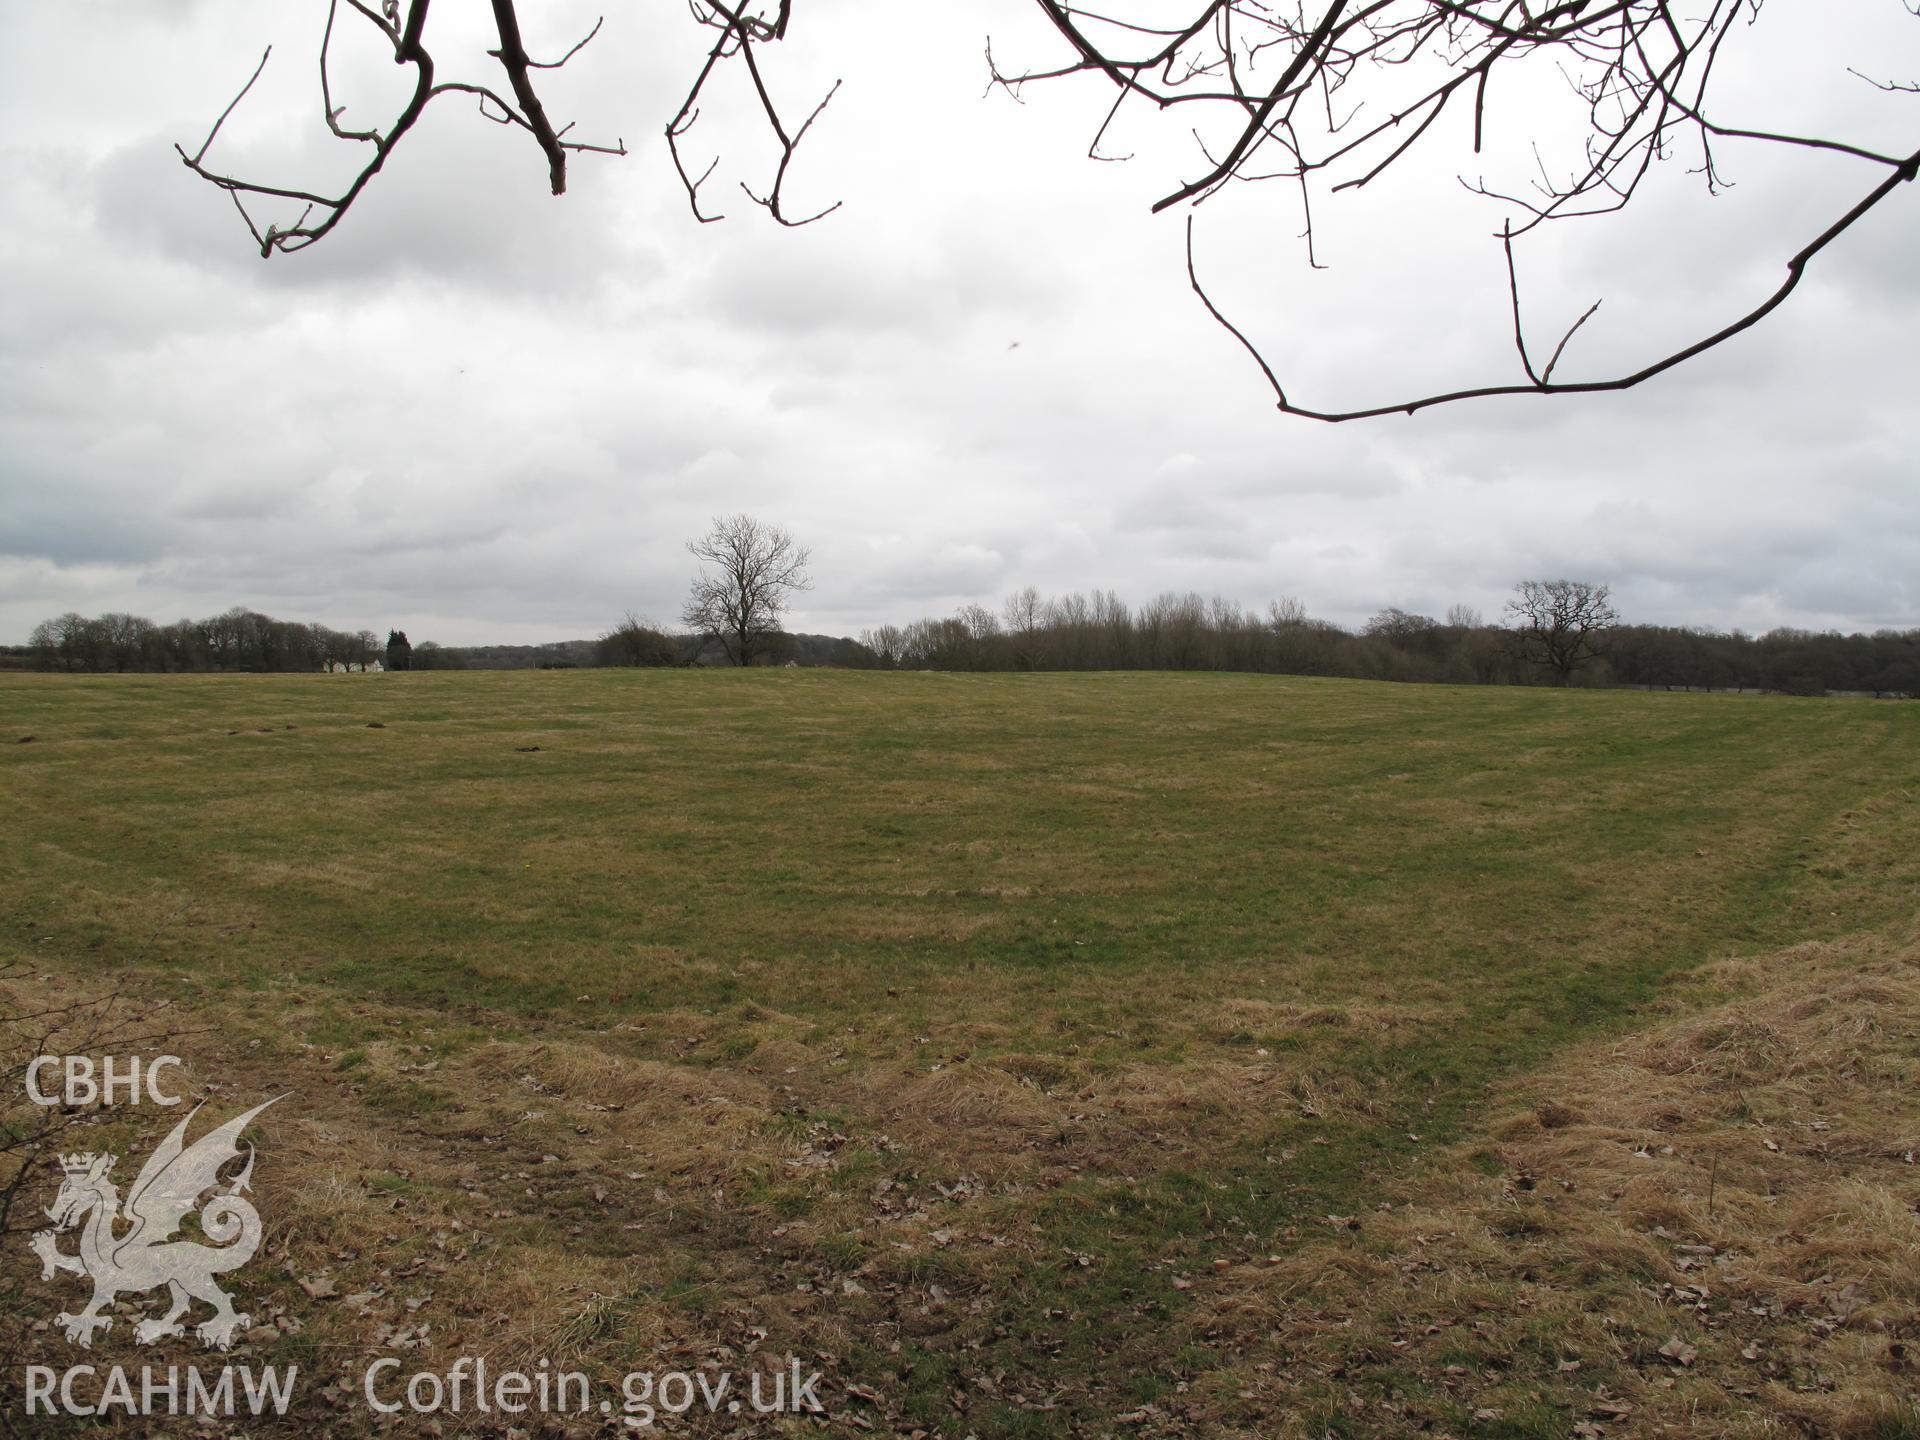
x: 1534, y: 645
x: 1092, y: 631
x: 238, y: 639
x: 246, y: 640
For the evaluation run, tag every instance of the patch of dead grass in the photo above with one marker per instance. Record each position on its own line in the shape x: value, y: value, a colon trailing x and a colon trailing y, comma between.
x: 1705, y: 1229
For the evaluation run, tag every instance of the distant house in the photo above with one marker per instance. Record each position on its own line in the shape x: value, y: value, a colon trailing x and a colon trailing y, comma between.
x: 344, y: 667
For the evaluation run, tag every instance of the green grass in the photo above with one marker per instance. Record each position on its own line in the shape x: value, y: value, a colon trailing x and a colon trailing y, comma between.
x: 810, y: 839
x: 1403, y: 894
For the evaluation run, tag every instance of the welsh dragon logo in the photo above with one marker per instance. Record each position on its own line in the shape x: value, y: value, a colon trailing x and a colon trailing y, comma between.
x: 131, y: 1247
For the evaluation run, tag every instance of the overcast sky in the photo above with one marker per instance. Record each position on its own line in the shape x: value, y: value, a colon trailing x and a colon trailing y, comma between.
x: 479, y: 413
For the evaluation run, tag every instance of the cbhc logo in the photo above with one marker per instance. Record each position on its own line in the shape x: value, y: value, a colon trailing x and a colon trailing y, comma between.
x: 127, y: 1079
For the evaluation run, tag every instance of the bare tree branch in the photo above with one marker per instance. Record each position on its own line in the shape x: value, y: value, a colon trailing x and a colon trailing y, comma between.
x: 1317, y: 93
x: 1640, y: 68
x: 512, y: 56
x: 408, y: 49
x: 1544, y: 385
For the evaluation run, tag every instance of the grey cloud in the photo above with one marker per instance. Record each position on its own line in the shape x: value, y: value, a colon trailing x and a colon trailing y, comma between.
x: 499, y: 414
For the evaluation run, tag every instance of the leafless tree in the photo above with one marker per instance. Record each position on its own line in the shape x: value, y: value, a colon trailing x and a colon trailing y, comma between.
x: 888, y: 644
x: 1072, y: 621
x: 124, y: 637
x: 45, y: 643
x: 1024, y: 613
x: 1112, y: 624
x: 1560, y: 625
x: 1325, y: 95
x: 635, y: 641
x: 1399, y: 626
x: 1286, y: 613
x: 982, y: 624
x: 750, y: 571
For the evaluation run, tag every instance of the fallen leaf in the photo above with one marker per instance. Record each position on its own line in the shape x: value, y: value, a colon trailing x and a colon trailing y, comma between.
x: 1679, y: 1351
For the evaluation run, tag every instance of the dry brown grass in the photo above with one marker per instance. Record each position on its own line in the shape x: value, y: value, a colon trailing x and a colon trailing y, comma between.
x: 1707, y: 1229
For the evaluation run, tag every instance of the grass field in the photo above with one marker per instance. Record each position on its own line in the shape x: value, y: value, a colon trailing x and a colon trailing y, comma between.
x: 1004, y: 1044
